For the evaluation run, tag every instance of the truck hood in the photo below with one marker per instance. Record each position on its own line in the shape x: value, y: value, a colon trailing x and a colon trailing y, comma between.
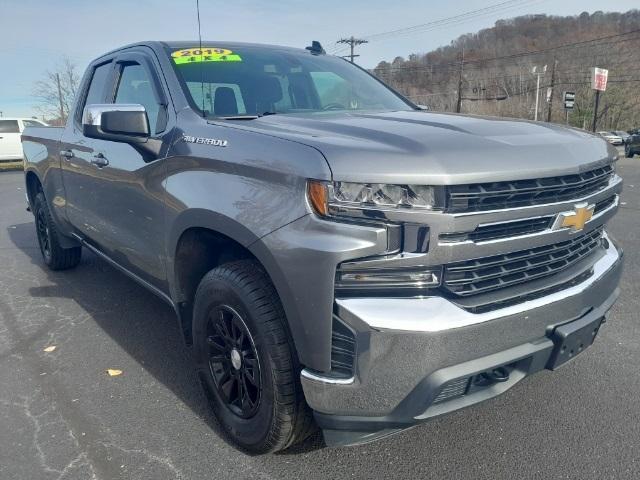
x: 438, y: 148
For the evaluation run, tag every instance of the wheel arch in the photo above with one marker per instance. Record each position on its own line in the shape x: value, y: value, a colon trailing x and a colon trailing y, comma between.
x: 33, y: 185
x: 192, y: 253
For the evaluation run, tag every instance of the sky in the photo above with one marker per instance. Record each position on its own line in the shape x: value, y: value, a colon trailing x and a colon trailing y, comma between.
x: 36, y: 35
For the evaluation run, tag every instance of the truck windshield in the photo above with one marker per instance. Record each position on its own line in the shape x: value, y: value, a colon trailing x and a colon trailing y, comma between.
x: 254, y: 81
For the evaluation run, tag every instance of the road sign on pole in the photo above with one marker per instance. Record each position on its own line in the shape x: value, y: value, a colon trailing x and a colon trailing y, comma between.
x: 569, y: 100
x: 599, y: 77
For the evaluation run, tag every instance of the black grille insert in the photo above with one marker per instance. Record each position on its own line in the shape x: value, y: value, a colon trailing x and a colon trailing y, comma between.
x: 521, y: 193
x: 604, y: 204
x: 501, y: 230
x: 492, y: 273
x: 453, y: 389
x: 488, y: 307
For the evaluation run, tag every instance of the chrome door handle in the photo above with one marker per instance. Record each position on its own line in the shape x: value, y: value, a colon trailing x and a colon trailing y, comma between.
x: 100, y: 161
x: 66, y: 154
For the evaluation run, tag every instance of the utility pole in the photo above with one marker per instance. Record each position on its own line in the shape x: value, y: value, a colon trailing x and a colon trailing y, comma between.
x: 459, y: 101
x: 352, y: 42
x: 553, y: 79
x: 538, y: 73
x: 595, y: 111
x: 62, y: 119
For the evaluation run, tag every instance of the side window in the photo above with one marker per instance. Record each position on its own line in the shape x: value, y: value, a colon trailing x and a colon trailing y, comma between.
x: 9, y: 126
x: 95, y: 94
x: 32, y: 123
x: 135, y: 87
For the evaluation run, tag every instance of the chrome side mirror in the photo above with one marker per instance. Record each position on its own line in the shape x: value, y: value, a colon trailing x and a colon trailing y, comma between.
x: 127, y: 123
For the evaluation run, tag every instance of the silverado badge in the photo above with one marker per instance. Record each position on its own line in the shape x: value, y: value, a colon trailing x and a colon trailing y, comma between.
x: 205, y: 141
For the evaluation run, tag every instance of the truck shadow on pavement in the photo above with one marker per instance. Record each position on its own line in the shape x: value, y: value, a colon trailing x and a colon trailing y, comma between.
x: 139, y: 322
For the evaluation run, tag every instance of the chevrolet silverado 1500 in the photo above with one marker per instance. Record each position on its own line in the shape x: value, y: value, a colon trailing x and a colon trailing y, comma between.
x: 337, y: 257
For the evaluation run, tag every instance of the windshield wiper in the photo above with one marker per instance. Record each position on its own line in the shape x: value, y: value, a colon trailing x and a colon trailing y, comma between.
x: 240, y: 117
x: 246, y: 117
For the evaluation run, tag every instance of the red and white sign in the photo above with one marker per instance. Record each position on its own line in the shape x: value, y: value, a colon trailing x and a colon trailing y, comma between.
x: 599, y: 78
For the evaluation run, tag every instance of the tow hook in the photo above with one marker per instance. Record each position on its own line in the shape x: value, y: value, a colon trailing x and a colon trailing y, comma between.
x: 497, y: 375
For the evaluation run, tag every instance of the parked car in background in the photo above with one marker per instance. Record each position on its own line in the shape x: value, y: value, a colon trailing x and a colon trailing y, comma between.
x: 622, y: 134
x: 612, y: 138
x: 632, y: 145
x: 10, y: 131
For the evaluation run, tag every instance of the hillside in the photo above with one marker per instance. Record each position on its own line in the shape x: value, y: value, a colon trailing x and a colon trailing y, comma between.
x: 494, y: 68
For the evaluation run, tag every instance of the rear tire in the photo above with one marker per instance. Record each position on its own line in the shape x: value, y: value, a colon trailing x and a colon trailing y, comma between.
x: 55, y: 257
x: 242, y: 347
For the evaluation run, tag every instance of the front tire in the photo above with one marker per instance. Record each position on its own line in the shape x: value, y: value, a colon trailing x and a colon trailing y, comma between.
x: 54, y: 256
x: 628, y: 152
x: 246, y: 360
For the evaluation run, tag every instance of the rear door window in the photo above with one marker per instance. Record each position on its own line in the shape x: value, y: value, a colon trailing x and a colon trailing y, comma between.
x: 9, y: 126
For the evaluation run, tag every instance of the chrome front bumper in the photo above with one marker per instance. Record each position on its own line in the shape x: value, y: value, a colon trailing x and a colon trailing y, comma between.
x: 405, y: 344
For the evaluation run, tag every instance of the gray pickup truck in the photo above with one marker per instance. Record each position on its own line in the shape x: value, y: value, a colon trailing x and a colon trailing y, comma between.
x: 338, y: 258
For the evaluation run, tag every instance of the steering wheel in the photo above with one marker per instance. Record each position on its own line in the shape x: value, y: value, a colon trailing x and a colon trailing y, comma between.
x: 334, y: 106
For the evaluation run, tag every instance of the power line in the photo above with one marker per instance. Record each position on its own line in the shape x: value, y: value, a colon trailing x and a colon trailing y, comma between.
x: 472, y: 63
x: 501, y: 7
x: 524, y: 92
x: 472, y: 14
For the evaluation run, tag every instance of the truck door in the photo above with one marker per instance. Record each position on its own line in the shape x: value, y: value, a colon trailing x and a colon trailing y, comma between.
x: 10, y: 146
x: 116, y: 197
x: 77, y: 151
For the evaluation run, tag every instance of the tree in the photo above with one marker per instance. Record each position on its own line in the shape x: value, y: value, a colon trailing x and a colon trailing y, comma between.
x: 55, y: 101
x: 498, y: 77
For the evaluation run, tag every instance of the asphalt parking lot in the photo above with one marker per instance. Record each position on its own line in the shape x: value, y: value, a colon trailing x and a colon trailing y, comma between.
x: 63, y: 417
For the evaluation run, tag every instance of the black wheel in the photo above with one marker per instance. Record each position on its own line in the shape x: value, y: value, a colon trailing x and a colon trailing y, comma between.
x: 55, y: 257
x: 233, y: 361
x: 246, y: 360
x: 628, y: 152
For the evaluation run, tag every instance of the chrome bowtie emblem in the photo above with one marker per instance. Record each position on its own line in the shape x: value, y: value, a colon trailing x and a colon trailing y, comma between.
x: 575, y: 219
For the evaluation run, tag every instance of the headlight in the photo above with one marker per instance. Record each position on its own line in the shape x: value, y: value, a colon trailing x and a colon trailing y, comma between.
x: 364, y: 199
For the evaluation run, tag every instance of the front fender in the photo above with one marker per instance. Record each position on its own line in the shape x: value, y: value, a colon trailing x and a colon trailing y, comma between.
x: 207, y: 219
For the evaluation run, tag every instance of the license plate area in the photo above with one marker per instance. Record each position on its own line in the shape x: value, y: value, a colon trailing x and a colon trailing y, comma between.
x: 572, y: 339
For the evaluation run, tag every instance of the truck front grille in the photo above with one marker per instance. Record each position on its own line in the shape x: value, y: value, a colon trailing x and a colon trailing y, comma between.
x: 521, y: 193
x: 482, y: 275
x: 514, y: 228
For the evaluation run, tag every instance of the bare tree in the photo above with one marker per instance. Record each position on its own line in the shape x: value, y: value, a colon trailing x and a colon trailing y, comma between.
x: 56, y: 91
